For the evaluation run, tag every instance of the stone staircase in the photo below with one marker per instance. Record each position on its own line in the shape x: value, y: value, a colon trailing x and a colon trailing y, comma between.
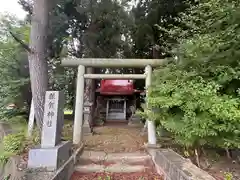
x: 92, y: 163
x: 113, y: 162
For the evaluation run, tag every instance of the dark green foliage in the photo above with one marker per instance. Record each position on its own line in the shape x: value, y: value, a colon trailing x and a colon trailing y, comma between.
x: 153, y: 20
x: 13, y: 143
x: 15, y: 86
x: 199, y: 94
x: 84, y: 29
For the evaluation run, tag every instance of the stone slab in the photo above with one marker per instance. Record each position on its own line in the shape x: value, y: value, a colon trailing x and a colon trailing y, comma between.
x: 127, y: 157
x: 173, y: 166
x: 53, y: 119
x: 124, y: 168
x: 90, y: 168
x: 115, y: 168
x: 93, y: 155
x: 49, y: 158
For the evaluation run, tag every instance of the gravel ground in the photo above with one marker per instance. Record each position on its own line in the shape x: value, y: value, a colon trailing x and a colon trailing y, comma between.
x: 115, y: 138
x: 149, y: 175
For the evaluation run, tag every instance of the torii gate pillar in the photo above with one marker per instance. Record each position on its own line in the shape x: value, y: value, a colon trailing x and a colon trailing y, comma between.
x: 150, y: 124
x: 78, y: 117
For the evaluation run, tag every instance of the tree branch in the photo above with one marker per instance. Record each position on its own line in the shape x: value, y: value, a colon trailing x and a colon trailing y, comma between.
x: 23, y: 44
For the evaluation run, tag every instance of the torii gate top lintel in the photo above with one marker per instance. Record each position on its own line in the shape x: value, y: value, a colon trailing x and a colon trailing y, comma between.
x: 110, y: 62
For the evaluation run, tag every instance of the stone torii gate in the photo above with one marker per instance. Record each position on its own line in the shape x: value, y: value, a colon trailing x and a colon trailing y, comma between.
x: 108, y: 63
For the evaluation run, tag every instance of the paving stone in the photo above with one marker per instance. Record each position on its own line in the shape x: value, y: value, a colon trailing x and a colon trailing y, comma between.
x: 117, y: 168
x: 127, y: 157
x: 93, y: 155
x: 90, y: 168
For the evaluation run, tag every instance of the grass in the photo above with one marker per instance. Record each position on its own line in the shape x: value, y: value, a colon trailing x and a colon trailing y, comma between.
x: 2, y: 152
x: 68, y: 112
x: 18, y: 125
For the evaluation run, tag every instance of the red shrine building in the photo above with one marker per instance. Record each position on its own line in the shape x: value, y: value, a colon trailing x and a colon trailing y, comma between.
x: 114, y: 99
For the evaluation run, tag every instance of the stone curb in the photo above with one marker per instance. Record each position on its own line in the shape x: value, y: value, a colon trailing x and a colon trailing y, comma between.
x: 66, y: 170
x: 172, y: 166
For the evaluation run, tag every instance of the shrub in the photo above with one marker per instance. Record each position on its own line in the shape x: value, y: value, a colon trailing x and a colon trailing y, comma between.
x: 198, y: 95
x: 5, y: 156
x: 193, y: 109
x: 14, y: 143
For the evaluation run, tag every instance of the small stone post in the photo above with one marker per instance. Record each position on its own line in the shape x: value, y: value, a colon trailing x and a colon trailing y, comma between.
x: 87, y: 127
x: 150, y: 124
x: 78, y: 118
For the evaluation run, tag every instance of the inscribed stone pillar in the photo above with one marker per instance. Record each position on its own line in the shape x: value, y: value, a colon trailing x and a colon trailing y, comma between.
x: 52, y: 153
x: 53, y: 119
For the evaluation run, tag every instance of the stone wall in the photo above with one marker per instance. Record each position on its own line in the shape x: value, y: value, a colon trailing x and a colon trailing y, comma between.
x: 174, y: 167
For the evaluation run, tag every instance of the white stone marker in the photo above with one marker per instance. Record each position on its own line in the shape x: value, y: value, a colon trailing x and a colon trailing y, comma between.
x: 52, y: 153
x: 53, y: 119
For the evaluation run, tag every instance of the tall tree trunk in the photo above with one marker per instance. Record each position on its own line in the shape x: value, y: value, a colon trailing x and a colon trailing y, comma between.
x: 89, y: 94
x: 37, y: 57
x: 74, y: 92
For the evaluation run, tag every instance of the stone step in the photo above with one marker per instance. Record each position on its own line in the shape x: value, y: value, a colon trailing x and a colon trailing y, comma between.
x: 127, y: 157
x: 116, y: 168
x: 114, y: 157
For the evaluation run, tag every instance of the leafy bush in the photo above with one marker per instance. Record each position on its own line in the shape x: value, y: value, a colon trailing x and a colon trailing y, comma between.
x: 198, y: 96
x: 4, y: 156
x: 14, y: 143
x: 228, y: 176
x: 14, y: 70
x: 193, y: 109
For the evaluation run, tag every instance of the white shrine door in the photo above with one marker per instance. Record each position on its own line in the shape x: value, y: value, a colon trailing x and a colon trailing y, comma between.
x: 116, y: 109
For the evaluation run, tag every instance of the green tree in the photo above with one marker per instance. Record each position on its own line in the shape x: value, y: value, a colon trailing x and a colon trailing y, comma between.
x: 198, y: 95
x: 15, y: 85
x: 153, y: 20
x: 84, y: 29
